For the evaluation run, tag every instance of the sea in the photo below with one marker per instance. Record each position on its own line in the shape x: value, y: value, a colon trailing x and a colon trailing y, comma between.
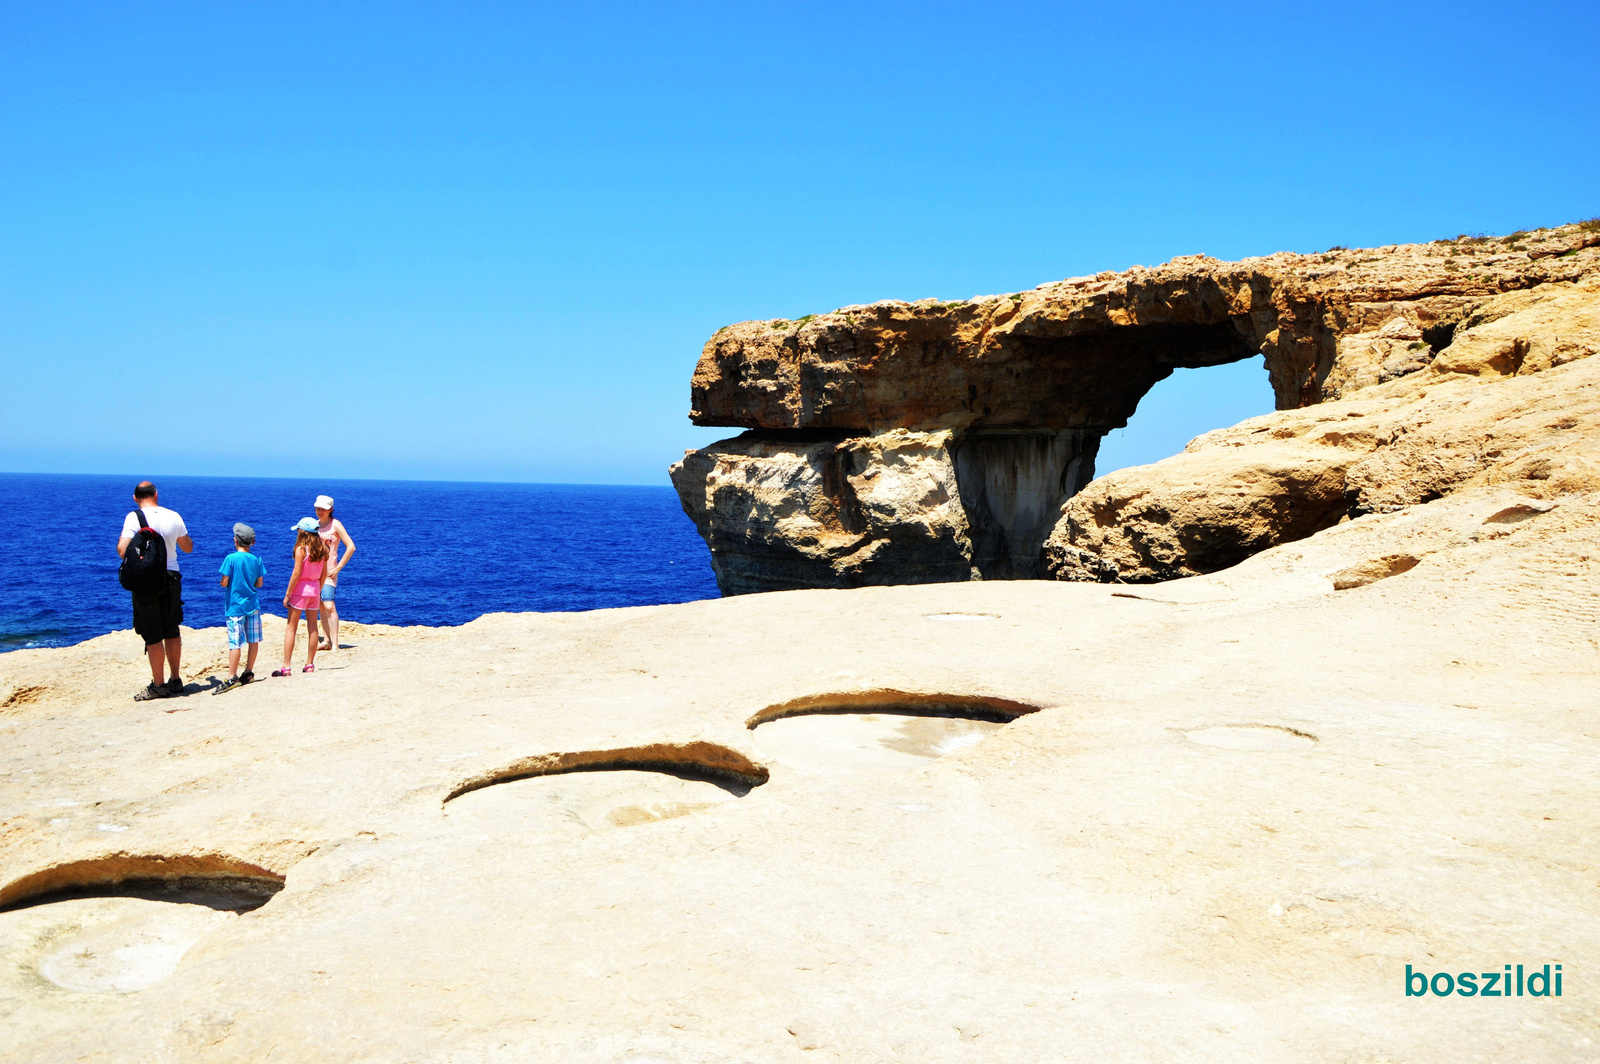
x: 428, y: 552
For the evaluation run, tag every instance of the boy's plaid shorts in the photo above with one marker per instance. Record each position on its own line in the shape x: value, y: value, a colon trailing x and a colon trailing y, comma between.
x: 246, y: 629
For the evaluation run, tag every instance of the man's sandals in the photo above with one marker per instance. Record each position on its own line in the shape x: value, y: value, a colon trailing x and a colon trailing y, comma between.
x: 171, y: 689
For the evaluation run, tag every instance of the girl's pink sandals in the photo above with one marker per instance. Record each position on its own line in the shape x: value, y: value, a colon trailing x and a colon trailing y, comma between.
x: 310, y: 666
x: 282, y: 672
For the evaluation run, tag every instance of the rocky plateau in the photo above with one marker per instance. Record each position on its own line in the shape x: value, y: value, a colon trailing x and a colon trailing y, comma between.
x: 1213, y: 819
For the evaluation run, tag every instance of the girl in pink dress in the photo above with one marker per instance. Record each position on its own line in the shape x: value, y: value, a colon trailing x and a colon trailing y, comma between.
x: 305, y: 584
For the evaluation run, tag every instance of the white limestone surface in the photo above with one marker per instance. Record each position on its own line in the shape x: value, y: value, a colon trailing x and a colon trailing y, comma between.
x: 1243, y: 805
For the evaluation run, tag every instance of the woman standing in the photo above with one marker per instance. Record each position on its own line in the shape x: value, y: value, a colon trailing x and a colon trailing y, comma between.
x: 332, y: 532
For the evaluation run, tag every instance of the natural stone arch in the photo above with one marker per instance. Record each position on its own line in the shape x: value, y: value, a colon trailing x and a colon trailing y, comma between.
x: 923, y: 442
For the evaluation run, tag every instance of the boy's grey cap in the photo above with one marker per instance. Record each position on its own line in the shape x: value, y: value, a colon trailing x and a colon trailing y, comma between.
x: 244, y: 533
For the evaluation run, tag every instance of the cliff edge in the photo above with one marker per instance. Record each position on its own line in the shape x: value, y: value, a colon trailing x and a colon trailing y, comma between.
x: 935, y: 441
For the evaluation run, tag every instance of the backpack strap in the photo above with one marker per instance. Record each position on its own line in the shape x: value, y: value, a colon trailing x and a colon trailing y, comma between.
x: 142, y: 522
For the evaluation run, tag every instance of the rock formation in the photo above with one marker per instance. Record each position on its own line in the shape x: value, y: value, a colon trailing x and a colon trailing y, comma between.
x: 920, y: 442
x: 1511, y: 401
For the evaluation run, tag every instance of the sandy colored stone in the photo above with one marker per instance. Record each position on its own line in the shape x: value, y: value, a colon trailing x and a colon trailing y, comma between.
x: 892, y: 507
x: 778, y: 515
x: 1244, y: 804
x: 1015, y: 392
x: 1080, y: 353
x: 1372, y: 570
x: 1525, y: 332
x: 1460, y: 424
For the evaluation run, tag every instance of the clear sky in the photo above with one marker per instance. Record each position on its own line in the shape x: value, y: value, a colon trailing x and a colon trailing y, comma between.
x: 486, y: 241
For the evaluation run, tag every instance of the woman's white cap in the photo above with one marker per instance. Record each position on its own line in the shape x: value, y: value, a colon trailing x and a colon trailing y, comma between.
x: 324, y: 502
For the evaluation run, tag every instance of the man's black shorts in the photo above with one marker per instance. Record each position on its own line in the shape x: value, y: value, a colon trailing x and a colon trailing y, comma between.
x: 156, y: 617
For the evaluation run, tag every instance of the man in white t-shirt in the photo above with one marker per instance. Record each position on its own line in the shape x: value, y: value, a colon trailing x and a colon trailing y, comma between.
x: 156, y: 617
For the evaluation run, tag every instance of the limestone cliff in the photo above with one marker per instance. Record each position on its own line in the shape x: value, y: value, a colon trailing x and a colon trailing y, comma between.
x: 1513, y: 401
x: 917, y: 442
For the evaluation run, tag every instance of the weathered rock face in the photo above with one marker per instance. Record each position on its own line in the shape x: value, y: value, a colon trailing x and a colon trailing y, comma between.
x: 1019, y: 389
x: 1012, y: 486
x: 776, y: 514
x: 1008, y: 363
x: 897, y: 507
x: 1512, y: 401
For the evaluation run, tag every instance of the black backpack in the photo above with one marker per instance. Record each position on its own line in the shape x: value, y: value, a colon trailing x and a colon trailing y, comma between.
x: 144, y: 563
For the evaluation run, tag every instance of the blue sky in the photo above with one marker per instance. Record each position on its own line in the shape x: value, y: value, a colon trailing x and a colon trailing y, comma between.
x: 486, y: 241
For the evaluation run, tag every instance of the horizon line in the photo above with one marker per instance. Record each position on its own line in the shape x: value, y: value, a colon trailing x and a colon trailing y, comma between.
x: 344, y: 480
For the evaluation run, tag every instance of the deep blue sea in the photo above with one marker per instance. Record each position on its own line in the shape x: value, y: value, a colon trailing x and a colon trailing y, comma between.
x: 429, y: 553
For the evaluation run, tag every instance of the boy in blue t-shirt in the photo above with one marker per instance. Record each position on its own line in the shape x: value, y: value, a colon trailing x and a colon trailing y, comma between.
x: 242, y: 573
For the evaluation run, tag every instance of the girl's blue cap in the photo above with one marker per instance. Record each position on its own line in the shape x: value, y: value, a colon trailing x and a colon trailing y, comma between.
x: 307, y: 524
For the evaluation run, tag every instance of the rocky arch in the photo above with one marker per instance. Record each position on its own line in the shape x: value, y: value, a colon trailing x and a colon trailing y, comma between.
x: 930, y: 441
x: 912, y: 443
x: 1013, y: 480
